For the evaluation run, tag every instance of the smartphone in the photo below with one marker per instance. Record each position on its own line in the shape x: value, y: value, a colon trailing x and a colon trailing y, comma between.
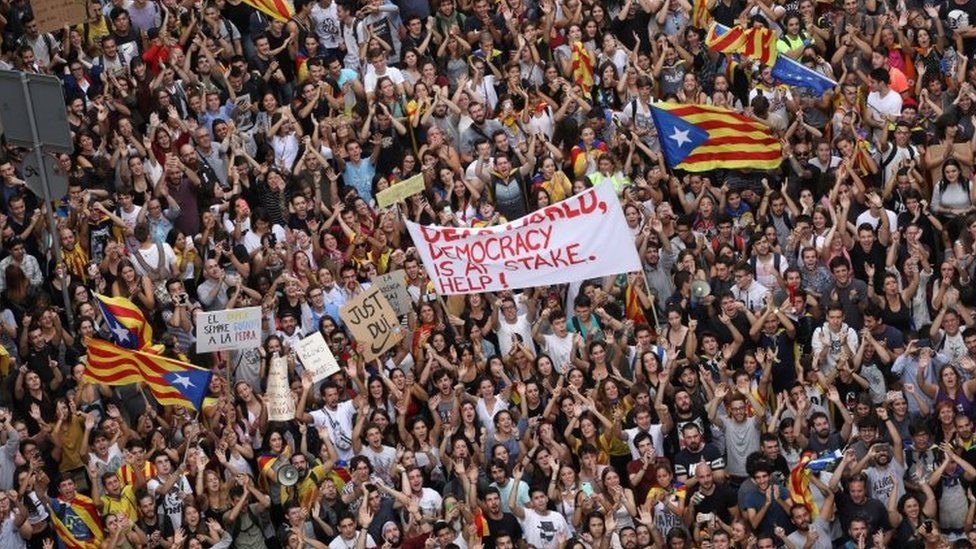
x: 929, y: 526
x: 587, y: 489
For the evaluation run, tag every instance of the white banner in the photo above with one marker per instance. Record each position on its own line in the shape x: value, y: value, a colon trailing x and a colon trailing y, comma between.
x: 228, y: 329
x: 582, y: 237
x: 316, y: 357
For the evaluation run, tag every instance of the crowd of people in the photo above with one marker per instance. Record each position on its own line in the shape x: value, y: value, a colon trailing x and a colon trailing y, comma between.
x: 794, y: 367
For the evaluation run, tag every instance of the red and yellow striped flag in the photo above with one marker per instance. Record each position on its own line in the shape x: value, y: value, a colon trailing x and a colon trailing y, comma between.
x: 700, y: 16
x: 172, y: 382
x: 582, y: 67
x: 126, y: 322
x: 761, y: 45
x: 282, y: 10
x: 730, y: 41
x: 699, y: 138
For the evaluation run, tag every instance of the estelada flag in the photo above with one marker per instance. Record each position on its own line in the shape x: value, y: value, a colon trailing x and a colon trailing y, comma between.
x: 126, y: 323
x: 725, y: 40
x: 699, y: 138
x: 172, y: 382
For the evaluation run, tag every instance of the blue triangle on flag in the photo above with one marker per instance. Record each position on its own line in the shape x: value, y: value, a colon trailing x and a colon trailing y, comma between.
x: 678, y: 137
x: 192, y: 383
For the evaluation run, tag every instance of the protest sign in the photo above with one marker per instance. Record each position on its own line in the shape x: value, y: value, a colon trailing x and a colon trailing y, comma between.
x: 52, y: 15
x: 317, y: 357
x: 229, y: 329
x: 400, y: 191
x: 394, y: 288
x: 584, y: 236
x: 373, y: 323
x: 281, y: 405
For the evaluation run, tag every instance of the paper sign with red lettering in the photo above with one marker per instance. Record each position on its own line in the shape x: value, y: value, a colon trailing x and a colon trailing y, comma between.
x: 584, y: 236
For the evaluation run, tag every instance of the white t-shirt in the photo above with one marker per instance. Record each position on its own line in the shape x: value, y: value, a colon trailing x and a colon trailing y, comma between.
x: 369, y: 81
x: 339, y: 543
x: 522, y: 327
x: 879, y: 106
x: 657, y: 438
x: 339, y: 424
x: 151, y: 256
x: 381, y: 461
x: 541, y: 531
x: 172, y: 501
x: 868, y: 217
x: 326, y: 24
x: 130, y: 219
x: 252, y: 242
x: 431, y: 502
x: 559, y: 350
x: 766, y: 270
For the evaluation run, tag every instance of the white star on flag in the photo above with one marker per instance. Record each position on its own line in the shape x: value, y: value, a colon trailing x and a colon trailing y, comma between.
x: 183, y: 380
x: 680, y: 136
x: 121, y: 332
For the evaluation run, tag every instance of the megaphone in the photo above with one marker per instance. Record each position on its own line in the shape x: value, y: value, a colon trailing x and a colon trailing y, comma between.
x: 288, y: 475
x: 700, y: 289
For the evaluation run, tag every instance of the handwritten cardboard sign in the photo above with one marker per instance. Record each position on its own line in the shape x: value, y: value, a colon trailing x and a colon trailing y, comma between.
x: 316, y: 357
x: 281, y: 405
x: 401, y: 191
x: 52, y: 15
x: 228, y: 329
x: 394, y: 288
x: 373, y: 323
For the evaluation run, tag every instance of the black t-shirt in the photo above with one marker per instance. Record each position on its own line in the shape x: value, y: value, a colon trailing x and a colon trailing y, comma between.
x: 632, y: 25
x: 952, y: 13
x: 719, y: 502
x: 508, y: 523
x: 875, y: 256
x: 686, y: 460
x: 872, y: 511
x: 163, y: 525
x: 726, y: 14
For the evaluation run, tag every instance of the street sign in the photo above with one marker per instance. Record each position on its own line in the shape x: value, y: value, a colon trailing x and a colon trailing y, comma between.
x: 56, y: 179
x: 34, y: 116
x: 47, y: 100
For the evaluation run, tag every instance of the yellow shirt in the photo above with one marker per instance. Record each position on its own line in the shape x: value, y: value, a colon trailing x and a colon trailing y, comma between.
x: 124, y: 504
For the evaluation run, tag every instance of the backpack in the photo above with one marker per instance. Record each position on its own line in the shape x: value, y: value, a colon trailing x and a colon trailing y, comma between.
x: 158, y: 274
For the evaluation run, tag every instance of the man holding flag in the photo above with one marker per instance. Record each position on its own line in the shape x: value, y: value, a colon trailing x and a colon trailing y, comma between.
x: 74, y: 516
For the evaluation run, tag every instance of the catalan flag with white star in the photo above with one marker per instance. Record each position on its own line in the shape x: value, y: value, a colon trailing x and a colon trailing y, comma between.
x: 699, y: 138
x: 126, y: 323
x: 172, y: 382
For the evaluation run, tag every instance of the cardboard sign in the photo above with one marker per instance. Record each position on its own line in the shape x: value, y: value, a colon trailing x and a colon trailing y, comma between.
x: 373, y: 323
x: 317, y: 357
x: 394, y: 288
x: 281, y: 405
x: 585, y: 236
x: 401, y: 191
x: 52, y: 15
x: 229, y: 329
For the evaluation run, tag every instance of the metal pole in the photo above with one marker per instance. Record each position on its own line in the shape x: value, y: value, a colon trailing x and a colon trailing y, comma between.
x: 49, y: 205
